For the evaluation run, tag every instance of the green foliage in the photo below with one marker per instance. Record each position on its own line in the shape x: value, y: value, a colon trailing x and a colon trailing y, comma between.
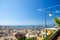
x: 23, y: 38
x: 29, y: 39
x: 46, y: 38
x: 57, y: 21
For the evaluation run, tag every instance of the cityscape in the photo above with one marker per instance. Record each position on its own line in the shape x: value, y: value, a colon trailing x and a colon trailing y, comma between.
x: 11, y: 33
x: 29, y: 19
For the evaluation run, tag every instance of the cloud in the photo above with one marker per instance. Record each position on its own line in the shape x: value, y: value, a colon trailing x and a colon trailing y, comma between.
x: 39, y: 9
x: 57, y: 11
x: 52, y: 7
x: 48, y: 8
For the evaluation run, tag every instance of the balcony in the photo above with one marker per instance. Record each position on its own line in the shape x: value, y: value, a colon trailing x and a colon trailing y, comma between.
x: 55, y: 36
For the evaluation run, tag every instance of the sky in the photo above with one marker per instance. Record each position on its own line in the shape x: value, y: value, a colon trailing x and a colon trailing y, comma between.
x: 25, y: 12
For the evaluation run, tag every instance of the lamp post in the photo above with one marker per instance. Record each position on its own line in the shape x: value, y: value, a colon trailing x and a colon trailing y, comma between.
x: 45, y: 11
x: 50, y: 14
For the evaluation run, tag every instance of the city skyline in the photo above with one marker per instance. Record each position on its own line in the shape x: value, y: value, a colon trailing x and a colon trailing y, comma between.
x: 25, y: 12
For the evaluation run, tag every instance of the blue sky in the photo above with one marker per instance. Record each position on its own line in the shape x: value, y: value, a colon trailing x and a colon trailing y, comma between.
x: 25, y: 12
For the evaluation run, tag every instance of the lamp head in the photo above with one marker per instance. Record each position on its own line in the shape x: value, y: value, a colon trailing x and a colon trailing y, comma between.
x: 50, y: 14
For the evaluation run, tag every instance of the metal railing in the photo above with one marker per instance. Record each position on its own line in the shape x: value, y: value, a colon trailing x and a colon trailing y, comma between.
x: 54, y: 35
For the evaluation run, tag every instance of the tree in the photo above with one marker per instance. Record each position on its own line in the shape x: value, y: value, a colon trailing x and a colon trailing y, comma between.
x: 20, y: 36
x: 57, y: 21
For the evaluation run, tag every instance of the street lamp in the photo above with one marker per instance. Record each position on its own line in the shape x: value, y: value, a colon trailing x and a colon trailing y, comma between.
x: 50, y: 15
x: 46, y: 10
